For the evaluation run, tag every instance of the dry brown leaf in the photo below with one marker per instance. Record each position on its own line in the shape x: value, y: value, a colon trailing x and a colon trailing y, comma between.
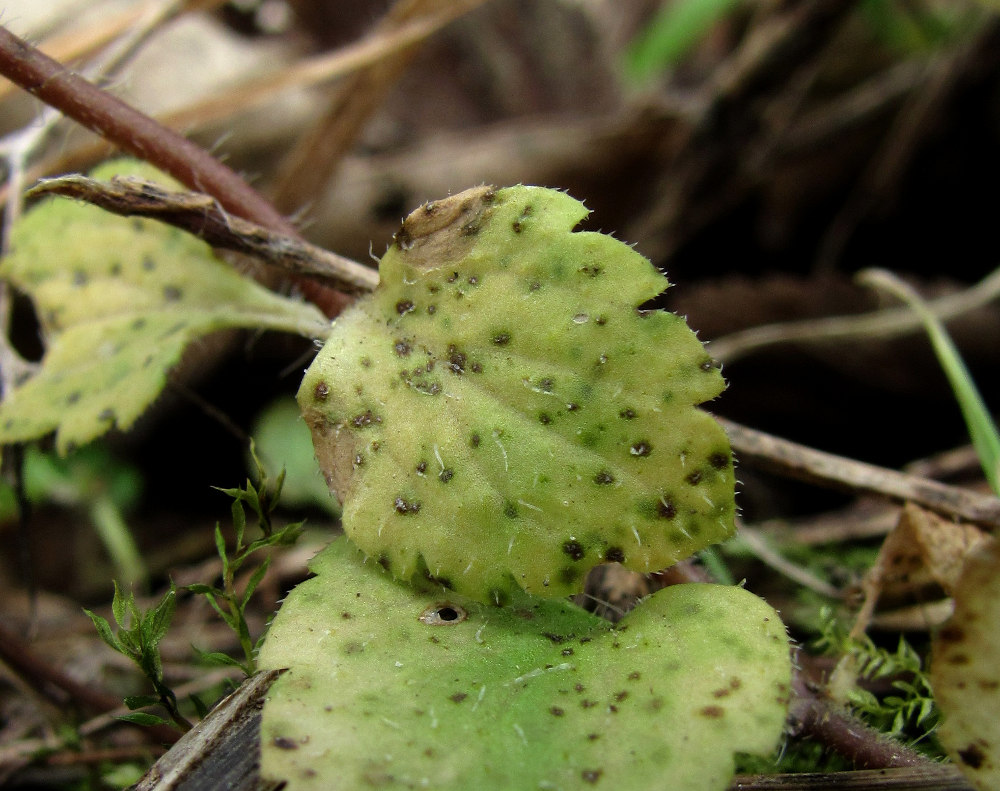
x: 923, y: 551
x: 965, y: 670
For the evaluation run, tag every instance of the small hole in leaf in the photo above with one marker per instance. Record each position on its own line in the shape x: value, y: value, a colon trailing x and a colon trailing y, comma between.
x: 443, y: 614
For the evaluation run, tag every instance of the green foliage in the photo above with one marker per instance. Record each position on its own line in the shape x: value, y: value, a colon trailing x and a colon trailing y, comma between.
x: 390, y: 687
x: 978, y: 418
x: 227, y: 601
x: 501, y: 415
x: 910, y: 712
x: 138, y: 637
x: 283, y: 442
x: 92, y: 480
x: 119, y: 299
x: 677, y: 27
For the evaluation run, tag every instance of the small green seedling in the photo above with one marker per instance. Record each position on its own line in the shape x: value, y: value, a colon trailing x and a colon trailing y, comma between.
x: 501, y: 414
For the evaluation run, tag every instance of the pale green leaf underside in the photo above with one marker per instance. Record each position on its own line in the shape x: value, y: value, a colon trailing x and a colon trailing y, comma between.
x: 119, y: 299
x: 966, y: 671
x: 502, y: 415
x: 537, y: 695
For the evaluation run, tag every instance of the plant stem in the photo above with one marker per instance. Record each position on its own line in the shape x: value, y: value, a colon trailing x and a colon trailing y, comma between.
x: 132, y: 130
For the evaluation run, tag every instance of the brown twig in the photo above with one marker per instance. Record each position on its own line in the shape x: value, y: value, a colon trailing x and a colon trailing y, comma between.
x: 202, y: 216
x: 133, y: 131
x: 798, y: 461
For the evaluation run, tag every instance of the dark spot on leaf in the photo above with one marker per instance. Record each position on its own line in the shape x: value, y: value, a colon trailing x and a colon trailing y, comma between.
x: 384, y: 562
x: 346, y: 616
x: 569, y: 575
x: 556, y: 711
x: 79, y: 278
x: 567, y: 652
x: 724, y: 692
x: 73, y: 397
x: 366, y: 362
x: 604, y: 478
x: 138, y: 324
x: 951, y: 634
x: 592, y: 271
x: 601, y: 321
x: 365, y: 419
x: 546, y: 385
x: 694, y: 478
x: 456, y: 360
x: 501, y: 338
x: 148, y: 263
x: 446, y: 475
x: 458, y: 697
x: 422, y: 468
x: 354, y: 647
x: 359, y: 460
x: 403, y: 507
x: 474, y: 441
x: 574, y: 550
x: 627, y: 414
x: 641, y: 448
x: 708, y: 365
x: 283, y: 743
x: 591, y: 775
x: 665, y: 508
x: 556, y: 638
x: 719, y: 461
x: 534, y: 286
x: 614, y: 555
x: 402, y: 347
x: 620, y: 696
x: 544, y: 418
x: 106, y: 414
x: 972, y: 756
x: 322, y: 391
x: 116, y: 269
x: 634, y: 675
x: 958, y: 659
x: 510, y: 511
x: 172, y: 293
x: 571, y: 407
x: 431, y: 310
x: 473, y: 281
x: 404, y: 306
x: 453, y: 277
x: 712, y: 712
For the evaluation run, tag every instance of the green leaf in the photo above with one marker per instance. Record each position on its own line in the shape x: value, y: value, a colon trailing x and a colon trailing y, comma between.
x: 283, y: 443
x: 104, y: 630
x: 500, y: 414
x: 143, y: 718
x: 119, y: 299
x: 254, y: 581
x: 141, y: 701
x: 390, y: 687
x: 673, y: 32
x: 118, y: 605
x: 217, y: 658
x: 220, y: 549
x: 978, y: 419
x: 156, y: 622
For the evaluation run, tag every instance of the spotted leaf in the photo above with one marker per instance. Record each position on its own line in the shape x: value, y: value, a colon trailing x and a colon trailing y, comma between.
x: 119, y: 299
x: 501, y: 414
x: 388, y: 687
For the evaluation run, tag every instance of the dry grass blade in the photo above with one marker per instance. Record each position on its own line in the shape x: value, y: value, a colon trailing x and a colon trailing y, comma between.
x: 798, y: 461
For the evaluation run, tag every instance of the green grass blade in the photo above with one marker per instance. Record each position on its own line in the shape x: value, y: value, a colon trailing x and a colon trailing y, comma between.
x: 979, y: 421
